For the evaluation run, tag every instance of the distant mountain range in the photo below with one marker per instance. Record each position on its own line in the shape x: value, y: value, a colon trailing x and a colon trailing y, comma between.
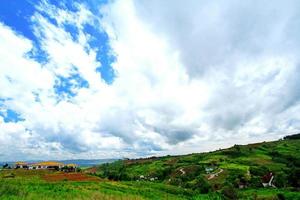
x: 79, y: 162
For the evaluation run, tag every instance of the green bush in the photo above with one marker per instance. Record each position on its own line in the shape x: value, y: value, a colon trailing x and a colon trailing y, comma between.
x: 176, y: 181
x: 292, y: 137
x: 280, y: 196
x: 201, y: 185
x: 259, y: 170
x: 293, y: 177
x: 255, y: 182
x: 280, y: 180
x: 229, y: 192
x: 236, y: 177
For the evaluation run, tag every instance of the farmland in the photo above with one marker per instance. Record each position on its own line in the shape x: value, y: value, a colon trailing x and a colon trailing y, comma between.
x: 44, y: 184
x: 233, y: 173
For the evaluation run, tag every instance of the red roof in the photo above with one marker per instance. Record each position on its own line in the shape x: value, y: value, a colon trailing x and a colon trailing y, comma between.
x: 266, y: 178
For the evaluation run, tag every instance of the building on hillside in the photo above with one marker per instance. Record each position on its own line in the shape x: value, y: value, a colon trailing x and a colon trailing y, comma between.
x: 21, y: 165
x: 70, y: 168
x: 209, y: 170
x: 267, y: 180
x: 48, y: 165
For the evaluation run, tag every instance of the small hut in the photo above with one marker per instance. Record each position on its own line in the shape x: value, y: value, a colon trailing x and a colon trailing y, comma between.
x: 48, y: 165
x: 21, y: 165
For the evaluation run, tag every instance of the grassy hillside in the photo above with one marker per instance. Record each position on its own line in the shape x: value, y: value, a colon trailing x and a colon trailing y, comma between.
x: 236, y: 172
x: 39, y: 184
x: 233, y: 173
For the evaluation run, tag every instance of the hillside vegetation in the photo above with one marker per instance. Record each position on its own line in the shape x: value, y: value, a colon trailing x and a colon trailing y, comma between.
x: 236, y: 172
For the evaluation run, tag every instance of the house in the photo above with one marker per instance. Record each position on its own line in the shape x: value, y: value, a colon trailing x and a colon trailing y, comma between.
x: 242, y: 184
x: 21, y: 165
x: 208, y: 170
x: 48, y: 165
x: 267, y: 180
x: 70, y: 167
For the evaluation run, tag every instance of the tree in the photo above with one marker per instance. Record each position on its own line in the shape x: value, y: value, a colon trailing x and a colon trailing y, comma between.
x: 237, y: 177
x: 229, y: 192
x: 259, y: 171
x: 292, y: 137
x: 280, y: 196
x: 202, y: 185
x: 294, y: 177
x: 255, y: 182
x: 115, y: 171
x: 237, y: 147
x: 280, y: 180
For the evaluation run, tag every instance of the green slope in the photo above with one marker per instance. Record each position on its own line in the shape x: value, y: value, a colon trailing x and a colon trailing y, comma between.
x: 173, y: 177
x: 232, y: 168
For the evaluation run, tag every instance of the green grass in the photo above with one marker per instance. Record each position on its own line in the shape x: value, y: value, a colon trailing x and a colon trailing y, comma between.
x: 172, y: 184
x: 276, y: 157
x: 27, y: 184
x: 268, y: 194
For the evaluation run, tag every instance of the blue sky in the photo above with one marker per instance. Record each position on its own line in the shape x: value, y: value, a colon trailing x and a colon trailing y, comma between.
x: 126, y: 78
x: 17, y: 15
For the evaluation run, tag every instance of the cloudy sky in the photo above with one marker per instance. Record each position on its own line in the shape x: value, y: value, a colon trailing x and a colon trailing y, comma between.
x: 113, y: 79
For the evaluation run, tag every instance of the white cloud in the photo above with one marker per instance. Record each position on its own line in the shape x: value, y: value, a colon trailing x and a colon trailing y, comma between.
x: 189, y: 77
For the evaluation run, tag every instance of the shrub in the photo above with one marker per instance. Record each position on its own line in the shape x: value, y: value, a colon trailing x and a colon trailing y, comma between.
x: 5, y: 166
x: 259, y: 170
x: 229, y: 192
x: 236, y: 177
x: 255, y: 182
x: 280, y: 180
x: 176, y: 181
x: 202, y: 185
x: 292, y: 137
x: 280, y: 196
x: 294, y: 177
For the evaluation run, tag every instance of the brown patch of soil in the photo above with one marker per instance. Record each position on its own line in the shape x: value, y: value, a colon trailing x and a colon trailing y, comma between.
x: 172, y: 161
x: 140, y: 160
x: 91, y: 170
x: 69, y: 177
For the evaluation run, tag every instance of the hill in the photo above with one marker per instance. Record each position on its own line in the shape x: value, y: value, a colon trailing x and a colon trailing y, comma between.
x: 235, y: 172
x: 238, y: 172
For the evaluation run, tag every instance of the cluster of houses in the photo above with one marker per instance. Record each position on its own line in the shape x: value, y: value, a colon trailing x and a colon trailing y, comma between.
x: 266, y: 180
x: 142, y: 177
x: 46, y: 165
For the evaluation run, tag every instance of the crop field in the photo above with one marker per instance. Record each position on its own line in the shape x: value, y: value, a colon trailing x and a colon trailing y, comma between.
x: 44, y: 184
x: 234, y: 173
x: 37, y: 184
x: 69, y: 177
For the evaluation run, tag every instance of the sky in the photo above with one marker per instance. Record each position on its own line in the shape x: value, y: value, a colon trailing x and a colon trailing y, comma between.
x: 125, y: 78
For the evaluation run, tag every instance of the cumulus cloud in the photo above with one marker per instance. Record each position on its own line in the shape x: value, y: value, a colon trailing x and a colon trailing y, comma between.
x: 190, y: 77
x: 246, y: 51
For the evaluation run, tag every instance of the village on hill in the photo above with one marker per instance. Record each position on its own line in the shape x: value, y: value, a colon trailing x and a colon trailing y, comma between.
x: 54, y: 165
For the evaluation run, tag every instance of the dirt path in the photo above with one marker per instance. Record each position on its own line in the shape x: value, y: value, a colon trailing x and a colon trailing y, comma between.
x: 211, y: 176
x: 182, y: 172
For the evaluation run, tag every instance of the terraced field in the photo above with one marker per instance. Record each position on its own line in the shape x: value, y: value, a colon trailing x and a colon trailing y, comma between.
x: 233, y: 173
